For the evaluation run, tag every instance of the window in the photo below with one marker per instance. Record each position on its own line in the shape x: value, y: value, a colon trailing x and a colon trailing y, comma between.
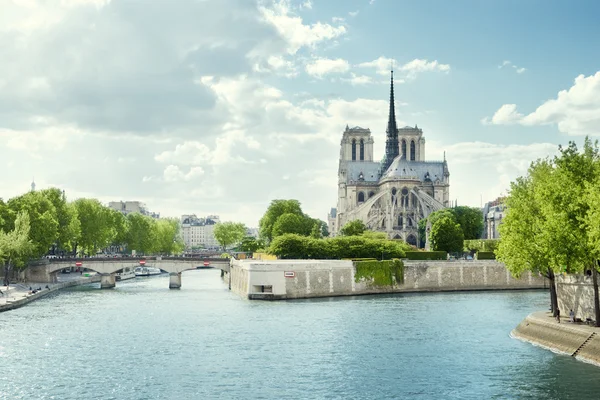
x: 412, y: 150
x: 403, y: 148
x: 362, y: 150
x: 353, y: 149
x: 361, y: 197
x: 371, y: 194
x: 404, y: 197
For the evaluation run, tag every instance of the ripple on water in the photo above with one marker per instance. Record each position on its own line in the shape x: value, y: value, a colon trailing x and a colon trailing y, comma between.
x: 144, y: 341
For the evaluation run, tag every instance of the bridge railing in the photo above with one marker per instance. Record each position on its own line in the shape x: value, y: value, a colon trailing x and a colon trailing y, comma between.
x: 45, y: 261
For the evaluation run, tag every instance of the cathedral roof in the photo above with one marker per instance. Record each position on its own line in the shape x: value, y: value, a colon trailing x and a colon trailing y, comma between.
x: 369, y: 170
x: 421, y: 170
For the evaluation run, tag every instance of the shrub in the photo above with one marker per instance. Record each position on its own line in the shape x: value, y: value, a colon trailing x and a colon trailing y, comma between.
x: 481, y: 245
x: 225, y: 255
x: 380, y: 273
x: 486, y: 255
x: 426, y: 255
x: 290, y: 246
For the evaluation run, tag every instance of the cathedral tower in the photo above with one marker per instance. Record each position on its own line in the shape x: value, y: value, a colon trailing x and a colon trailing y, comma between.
x: 392, y: 148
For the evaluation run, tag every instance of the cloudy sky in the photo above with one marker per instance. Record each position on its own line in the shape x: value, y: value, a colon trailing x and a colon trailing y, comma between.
x: 220, y: 106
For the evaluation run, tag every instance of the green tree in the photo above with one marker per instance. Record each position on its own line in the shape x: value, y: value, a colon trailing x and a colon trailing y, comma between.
x: 276, y: 209
x: 316, y: 232
x: 42, y: 220
x: 229, y: 233
x: 470, y: 220
x: 96, y: 226
x: 249, y: 244
x: 446, y: 235
x: 15, y: 246
x: 290, y: 223
x: 353, y: 228
x: 141, y: 235
x: 167, y: 239
x: 68, y: 227
x: 120, y: 228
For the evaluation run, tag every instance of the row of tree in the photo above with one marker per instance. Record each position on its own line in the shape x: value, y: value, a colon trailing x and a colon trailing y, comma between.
x: 51, y: 224
x: 553, y: 219
x: 286, y: 216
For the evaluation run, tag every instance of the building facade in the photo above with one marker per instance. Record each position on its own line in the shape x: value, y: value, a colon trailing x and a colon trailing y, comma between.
x: 390, y: 196
x: 128, y: 207
x: 493, y: 213
x: 198, y: 233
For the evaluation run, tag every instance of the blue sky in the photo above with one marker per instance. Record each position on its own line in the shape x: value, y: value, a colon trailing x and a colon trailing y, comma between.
x: 220, y: 106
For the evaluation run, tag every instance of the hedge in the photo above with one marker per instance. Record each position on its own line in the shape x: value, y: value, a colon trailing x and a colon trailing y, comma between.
x: 292, y: 246
x: 426, y: 255
x: 380, y: 273
x: 486, y: 255
x: 481, y: 245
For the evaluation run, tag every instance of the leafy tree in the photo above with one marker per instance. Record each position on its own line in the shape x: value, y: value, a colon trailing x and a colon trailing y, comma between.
x: 229, y: 233
x: 290, y: 223
x: 250, y: 244
x: 42, y: 220
x: 316, y: 232
x: 446, y: 235
x: 96, y: 226
x: 68, y: 229
x: 120, y: 228
x: 166, y: 238
x: 141, y: 235
x: 7, y: 216
x: 276, y: 209
x: 470, y: 220
x: 324, y: 228
x: 15, y: 246
x: 353, y: 228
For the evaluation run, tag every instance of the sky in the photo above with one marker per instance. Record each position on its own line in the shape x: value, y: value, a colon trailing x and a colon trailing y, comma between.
x: 220, y: 106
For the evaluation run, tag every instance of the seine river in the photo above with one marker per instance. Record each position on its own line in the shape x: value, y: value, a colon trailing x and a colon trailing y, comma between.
x: 144, y: 341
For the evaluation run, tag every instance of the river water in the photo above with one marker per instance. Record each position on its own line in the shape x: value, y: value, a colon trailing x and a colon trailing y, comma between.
x: 144, y: 341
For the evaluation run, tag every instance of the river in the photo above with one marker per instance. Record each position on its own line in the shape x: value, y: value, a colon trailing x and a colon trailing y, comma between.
x: 144, y: 341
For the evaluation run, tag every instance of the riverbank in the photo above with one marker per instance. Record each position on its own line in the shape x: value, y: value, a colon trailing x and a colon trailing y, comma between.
x: 18, y: 295
x: 574, y: 339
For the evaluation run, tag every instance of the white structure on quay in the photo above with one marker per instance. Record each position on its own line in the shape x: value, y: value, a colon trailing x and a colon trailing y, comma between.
x: 390, y: 196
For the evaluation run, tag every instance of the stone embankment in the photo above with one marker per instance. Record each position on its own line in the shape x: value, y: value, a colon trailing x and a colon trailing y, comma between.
x: 18, y: 298
x: 299, y: 279
x: 574, y: 339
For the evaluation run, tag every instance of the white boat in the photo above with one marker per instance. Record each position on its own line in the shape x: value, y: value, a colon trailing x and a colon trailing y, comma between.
x: 146, y: 271
x: 126, y: 273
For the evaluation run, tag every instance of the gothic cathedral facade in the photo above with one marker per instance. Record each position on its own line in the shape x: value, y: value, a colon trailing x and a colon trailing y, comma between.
x: 393, y: 195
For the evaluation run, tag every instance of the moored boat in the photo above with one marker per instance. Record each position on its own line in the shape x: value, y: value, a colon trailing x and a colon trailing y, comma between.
x: 146, y: 271
x: 126, y: 273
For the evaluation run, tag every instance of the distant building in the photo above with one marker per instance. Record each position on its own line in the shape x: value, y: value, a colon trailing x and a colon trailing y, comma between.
x: 198, y: 233
x: 128, y: 207
x: 493, y: 213
x: 393, y: 195
x: 331, y: 218
x: 252, y: 232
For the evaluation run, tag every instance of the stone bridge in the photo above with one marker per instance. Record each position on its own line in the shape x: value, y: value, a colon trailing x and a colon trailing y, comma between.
x: 47, y: 270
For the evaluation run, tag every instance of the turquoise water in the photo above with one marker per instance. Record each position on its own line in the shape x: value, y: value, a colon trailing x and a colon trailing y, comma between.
x: 144, y: 341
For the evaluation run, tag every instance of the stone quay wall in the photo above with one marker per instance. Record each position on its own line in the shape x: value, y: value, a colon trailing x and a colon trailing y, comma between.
x: 576, y: 340
x: 297, y: 279
x: 21, y: 301
x: 575, y: 292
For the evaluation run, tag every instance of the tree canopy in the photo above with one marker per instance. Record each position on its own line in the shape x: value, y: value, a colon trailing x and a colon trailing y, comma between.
x: 446, y: 235
x: 353, y: 228
x: 229, y: 233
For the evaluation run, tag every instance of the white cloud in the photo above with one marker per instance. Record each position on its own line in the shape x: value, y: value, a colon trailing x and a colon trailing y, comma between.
x: 356, y: 80
x: 507, y: 63
x: 480, y: 172
x: 294, y: 31
x: 173, y: 173
x: 575, y: 111
x: 353, y: 13
x: 337, y: 19
x: 307, y: 4
x: 324, y: 66
x: 410, y: 70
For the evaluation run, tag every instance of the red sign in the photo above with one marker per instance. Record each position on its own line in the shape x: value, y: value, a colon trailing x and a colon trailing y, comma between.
x: 142, y: 262
x: 78, y: 264
x: 289, y: 274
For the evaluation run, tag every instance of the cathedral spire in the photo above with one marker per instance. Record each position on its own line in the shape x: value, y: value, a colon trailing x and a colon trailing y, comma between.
x: 392, y: 146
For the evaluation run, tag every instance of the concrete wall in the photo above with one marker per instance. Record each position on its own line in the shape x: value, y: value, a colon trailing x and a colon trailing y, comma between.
x: 575, y: 292
x: 264, y: 279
